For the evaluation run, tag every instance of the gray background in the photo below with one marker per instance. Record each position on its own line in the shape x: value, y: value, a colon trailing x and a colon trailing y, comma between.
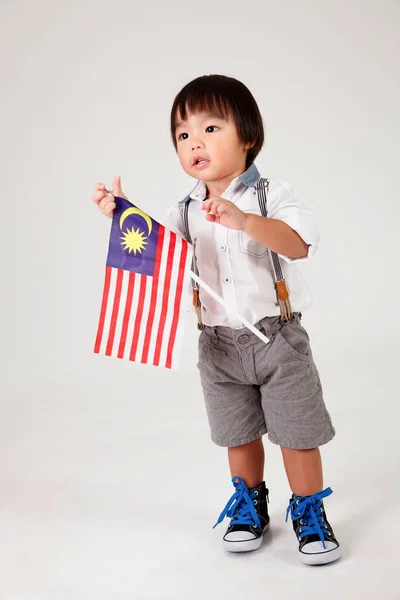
x: 109, y: 484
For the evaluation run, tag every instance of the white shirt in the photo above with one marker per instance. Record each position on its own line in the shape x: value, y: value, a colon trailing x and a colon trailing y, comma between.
x: 234, y: 265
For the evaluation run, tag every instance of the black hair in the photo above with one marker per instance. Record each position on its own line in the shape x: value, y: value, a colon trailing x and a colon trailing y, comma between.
x: 224, y: 97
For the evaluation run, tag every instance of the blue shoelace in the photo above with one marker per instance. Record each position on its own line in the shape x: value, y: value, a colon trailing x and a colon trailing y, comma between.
x: 240, y: 507
x: 309, y: 510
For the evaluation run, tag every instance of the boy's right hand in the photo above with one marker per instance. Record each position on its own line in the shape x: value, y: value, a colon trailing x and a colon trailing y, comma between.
x: 105, y: 199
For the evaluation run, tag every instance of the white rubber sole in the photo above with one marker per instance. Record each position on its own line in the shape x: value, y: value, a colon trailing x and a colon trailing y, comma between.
x: 320, y: 558
x: 244, y: 546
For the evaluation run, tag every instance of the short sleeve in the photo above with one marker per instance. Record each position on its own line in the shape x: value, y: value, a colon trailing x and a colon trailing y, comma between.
x: 283, y: 204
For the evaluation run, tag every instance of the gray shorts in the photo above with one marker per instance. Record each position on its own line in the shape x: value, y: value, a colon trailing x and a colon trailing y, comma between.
x: 252, y: 388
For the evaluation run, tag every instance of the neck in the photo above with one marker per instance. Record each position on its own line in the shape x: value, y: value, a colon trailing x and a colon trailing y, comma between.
x: 218, y: 186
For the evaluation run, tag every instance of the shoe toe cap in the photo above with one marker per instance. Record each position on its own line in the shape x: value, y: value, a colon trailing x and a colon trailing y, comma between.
x: 239, y: 536
x: 317, y: 547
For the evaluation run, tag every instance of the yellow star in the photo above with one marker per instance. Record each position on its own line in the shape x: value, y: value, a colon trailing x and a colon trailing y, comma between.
x: 134, y: 240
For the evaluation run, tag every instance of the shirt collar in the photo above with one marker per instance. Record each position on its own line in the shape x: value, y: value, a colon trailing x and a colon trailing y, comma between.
x: 248, y: 178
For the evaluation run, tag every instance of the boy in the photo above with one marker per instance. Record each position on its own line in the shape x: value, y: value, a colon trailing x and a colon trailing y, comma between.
x: 250, y: 388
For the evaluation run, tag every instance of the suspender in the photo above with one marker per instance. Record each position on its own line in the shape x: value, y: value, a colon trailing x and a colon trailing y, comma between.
x: 195, y: 285
x: 262, y: 188
x: 282, y: 294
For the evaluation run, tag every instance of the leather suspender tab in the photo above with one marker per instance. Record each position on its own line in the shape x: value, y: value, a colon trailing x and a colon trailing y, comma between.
x: 281, y: 290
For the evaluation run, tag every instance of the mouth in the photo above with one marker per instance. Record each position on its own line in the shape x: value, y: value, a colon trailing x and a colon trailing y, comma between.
x: 200, y: 162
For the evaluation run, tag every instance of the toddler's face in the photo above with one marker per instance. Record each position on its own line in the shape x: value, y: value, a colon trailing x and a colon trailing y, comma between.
x: 209, y: 148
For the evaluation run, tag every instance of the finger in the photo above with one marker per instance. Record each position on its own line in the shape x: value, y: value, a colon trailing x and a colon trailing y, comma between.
x: 221, y: 209
x: 207, y: 204
x: 215, y: 205
x: 99, y: 186
x: 116, y: 188
x: 109, y: 209
x: 106, y: 200
x: 98, y: 196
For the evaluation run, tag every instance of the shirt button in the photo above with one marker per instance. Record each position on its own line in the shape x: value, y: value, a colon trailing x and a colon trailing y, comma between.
x: 243, y: 339
x: 226, y: 280
x: 223, y: 248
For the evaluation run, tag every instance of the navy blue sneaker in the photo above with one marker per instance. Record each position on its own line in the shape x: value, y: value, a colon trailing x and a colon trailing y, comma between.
x: 317, y: 543
x: 248, y: 511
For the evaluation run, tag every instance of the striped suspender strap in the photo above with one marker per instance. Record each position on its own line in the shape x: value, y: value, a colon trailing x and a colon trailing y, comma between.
x: 196, y: 298
x: 262, y: 188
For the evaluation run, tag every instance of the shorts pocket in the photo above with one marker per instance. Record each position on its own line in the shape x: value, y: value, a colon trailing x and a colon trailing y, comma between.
x: 210, y: 351
x: 295, y: 341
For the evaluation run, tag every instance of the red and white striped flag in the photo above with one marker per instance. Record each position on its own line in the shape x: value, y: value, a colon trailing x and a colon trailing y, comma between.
x: 146, y: 282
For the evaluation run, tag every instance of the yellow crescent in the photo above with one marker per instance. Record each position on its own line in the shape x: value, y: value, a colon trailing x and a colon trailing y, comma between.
x: 136, y: 211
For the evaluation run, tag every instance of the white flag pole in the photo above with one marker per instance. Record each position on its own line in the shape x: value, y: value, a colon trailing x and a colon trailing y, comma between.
x: 233, y: 312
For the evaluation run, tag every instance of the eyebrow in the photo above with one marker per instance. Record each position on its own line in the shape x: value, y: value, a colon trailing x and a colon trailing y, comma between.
x: 205, y: 117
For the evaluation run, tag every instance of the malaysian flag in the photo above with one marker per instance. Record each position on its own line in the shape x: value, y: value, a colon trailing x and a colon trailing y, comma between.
x: 145, y: 282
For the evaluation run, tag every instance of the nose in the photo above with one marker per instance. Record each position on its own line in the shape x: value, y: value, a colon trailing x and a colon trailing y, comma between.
x: 197, y: 143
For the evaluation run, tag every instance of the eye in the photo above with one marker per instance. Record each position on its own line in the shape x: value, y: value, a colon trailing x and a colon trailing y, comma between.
x: 180, y: 136
x: 211, y: 127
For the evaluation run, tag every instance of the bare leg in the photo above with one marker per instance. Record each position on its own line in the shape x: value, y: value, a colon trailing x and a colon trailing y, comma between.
x: 303, y: 470
x: 247, y: 462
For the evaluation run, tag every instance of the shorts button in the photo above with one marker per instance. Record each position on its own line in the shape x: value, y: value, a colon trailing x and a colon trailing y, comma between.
x: 243, y: 339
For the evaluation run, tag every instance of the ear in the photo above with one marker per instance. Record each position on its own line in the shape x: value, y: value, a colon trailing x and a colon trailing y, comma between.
x: 248, y: 146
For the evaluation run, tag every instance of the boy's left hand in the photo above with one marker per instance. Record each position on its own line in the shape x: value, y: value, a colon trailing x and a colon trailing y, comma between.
x: 224, y: 213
